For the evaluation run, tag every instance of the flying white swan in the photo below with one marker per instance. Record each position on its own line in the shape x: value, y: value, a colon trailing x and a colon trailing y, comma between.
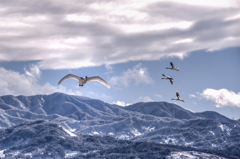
x: 82, y: 80
x: 173, y: 67
x: 179, y: 98
x: 168, y: 78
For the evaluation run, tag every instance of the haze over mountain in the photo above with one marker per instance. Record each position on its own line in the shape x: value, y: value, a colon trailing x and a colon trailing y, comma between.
x: 157, y: 122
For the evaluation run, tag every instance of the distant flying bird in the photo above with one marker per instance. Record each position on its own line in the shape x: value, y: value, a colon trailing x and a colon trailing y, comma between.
x: 82, y: 80
x: 168, y: 78
x: 173, y: 67
x: 179, y: 98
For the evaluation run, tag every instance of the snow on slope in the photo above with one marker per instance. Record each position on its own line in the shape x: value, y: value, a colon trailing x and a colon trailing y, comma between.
x: 162, y: 109
x: 159, y: 122
x: 192, y: 155
x: 47, y: 139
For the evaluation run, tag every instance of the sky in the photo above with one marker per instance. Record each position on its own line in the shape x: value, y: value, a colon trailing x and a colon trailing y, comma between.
x: 129, y: 44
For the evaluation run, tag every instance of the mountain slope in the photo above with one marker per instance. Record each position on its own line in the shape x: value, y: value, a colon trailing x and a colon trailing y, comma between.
x: 158, y: 122
x: 215, y: 116
x: 162, y: 109
x: 81, y: 114
x: 48, y: 139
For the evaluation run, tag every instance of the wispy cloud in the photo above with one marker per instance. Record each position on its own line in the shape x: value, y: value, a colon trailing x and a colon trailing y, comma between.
x: 222, y: 97
x: 109, y: 68
x: 12, y: 82
x: 192, y: 96
x: 145, y: 99
x: 158, y: 95
x: 33, y: 71
x: 74, y: 34
x: 137, y: 74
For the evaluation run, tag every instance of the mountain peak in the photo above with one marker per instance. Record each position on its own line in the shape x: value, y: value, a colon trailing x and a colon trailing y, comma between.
x: 161, y: 109
x: 159, y: 122
x: 215, y: 116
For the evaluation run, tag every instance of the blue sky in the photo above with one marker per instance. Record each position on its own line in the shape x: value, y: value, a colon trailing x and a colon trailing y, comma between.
x: 129, y: 44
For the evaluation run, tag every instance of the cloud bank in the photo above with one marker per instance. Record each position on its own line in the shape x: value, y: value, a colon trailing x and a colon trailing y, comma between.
x: 137, y: 75
x: 222, y: 97
x: 14, y: 83
x: 74, y: 34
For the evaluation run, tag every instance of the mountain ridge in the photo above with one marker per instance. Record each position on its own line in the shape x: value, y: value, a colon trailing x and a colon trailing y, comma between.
x: 158, y: 122
x: 166, y: 113
x: 48, y: 139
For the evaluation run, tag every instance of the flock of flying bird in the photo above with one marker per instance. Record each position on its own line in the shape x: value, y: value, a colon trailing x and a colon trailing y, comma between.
x: 172, y: 79
x: 83, y: 80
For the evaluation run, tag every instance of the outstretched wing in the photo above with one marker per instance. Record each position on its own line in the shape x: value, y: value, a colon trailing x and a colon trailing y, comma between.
x: 171, y: 80
x: 166, y: 76
x: 67, y: 77
x: 172, y: 64
x: 99, y: 79
x: 177, y: 94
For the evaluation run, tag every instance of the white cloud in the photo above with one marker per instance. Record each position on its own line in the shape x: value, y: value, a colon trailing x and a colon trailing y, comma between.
x: 145, y: 99
x: 82, y: 18
x: 192, y: 96
x: 135, y: 28
x: 33, y: 71
x: 121, y: 103
x: 222, y: 97
x: 75, y: 34
x: 109, y: 68
x: 234, y: 17
x: 14, y: 83
x: 137, y: 74
x: 212, y: 3
x: 183, y: 41
x: 158, y: 95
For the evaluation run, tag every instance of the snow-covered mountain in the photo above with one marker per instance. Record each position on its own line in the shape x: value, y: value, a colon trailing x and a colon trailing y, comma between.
x: 48, y: 139
x: 164, y: 109
x: 158, y: 122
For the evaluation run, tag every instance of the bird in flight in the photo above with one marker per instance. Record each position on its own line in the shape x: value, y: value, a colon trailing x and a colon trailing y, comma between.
x: 173, y: 67
x: 82, y: 80
x: 168, y: 78
x: 179, y: 98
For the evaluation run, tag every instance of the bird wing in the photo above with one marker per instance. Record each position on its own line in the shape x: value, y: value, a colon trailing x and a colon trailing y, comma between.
x: 177, y: 94
x: 68, y: 76
x: 172, y: 64
x: 171, y: 80
x: 99, y: 79
x: 165, y: 76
